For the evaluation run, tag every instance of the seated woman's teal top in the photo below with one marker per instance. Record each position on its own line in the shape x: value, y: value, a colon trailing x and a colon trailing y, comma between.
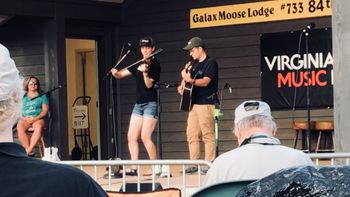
x: 33, y: 107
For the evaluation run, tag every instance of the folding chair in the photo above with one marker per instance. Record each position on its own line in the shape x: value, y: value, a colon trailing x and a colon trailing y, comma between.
x: 224, y: 189
x: 40, y: 144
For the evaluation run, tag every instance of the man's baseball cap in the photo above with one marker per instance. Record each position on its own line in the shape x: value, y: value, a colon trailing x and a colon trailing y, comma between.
x: 146, y: 41
x: 250, y: 108
x: 194, y: 42
x: 9, y: 75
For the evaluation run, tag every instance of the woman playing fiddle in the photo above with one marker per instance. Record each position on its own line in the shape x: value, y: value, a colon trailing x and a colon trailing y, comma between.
x: 144, y: 116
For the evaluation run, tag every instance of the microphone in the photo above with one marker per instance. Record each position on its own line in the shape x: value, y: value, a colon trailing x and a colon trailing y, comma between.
x: 228, y: 86
x: 310, y: 26
x: 156, y: 85
x: 171, y: 85
x: 131, y: 47
x: 48, y: 92
x: 61, y: 86
x: 168, y: 85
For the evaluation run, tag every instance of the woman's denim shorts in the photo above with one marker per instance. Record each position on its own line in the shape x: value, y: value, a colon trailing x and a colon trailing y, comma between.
x: 148, y: 109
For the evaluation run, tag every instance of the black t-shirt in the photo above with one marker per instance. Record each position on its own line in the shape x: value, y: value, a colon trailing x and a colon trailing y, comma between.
x: 25, y: 176
x: 144, y: 94
x: 199, y: 70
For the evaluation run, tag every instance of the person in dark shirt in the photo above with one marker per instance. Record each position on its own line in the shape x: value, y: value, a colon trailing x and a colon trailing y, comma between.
x: 203, y: 75
x: 144, y: 115
x: 22, y: 175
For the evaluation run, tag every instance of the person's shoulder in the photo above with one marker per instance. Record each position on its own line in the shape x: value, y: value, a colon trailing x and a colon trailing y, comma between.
x: 43, y: 96
x: 155, y: 62
x: 64, y: 178
x: 25, y: 96
x: 292, y: 151
x: 234, y: 153
x: 211, y: 62
x: 287, y: 148
x: 64, y: 170
x: 211, y: 59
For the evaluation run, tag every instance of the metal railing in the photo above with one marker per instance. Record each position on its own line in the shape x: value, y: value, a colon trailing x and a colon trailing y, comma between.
x: 318, y: 158
x: 123, y: 164
x: 334, y: 158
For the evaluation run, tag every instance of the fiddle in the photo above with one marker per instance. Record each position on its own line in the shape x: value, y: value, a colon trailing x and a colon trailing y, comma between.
x: 144, y: 65
x: 143, y: 59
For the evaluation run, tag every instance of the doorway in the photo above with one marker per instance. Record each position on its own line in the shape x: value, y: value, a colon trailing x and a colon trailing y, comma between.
x: 82, y: 83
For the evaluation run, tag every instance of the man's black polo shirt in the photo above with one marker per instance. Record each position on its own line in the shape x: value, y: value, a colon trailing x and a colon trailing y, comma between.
x: 21, y: 175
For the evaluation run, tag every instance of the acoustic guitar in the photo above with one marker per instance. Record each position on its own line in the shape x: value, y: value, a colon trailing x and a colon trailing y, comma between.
x: 186, y: 98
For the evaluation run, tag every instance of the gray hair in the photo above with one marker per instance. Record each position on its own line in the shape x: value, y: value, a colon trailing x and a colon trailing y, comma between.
x: 10, y: 107
x: 258, y: 121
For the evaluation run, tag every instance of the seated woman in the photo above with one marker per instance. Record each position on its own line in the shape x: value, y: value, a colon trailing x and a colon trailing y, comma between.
x: 33, y: 112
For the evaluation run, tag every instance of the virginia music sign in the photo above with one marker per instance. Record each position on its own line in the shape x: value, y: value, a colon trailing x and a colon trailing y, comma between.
x: 287, y: 77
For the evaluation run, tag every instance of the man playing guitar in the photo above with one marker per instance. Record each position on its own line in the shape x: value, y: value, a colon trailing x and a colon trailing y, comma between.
x: 203, y: 75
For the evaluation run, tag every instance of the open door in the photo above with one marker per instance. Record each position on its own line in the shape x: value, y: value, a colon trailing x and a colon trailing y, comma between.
x: 82, y: 81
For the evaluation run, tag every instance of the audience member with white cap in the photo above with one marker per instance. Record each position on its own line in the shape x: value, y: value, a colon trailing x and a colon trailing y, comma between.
x: 259, y: 153
x: 22, y: 175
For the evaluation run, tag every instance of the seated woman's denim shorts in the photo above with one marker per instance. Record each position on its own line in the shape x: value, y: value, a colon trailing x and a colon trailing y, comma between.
x: 148, y: 109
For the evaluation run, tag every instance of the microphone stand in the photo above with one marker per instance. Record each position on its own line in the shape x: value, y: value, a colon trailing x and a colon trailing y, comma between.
x: 308, y: 131
x: 308, y: 144
x: 117, y: 64
x: 48, y: 92
x: 217, y: 114
x: 308, y: 102
x: 49, y: 116
x: 159, y: 138
x: 164, y: 171
x: 111, y: 113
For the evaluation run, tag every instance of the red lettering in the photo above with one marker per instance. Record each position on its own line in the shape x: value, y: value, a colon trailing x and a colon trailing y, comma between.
x: 319, y: 82
x: 292, y: 79
x: 307, y: 79
x: 300, y: 78
x: 284, y: 80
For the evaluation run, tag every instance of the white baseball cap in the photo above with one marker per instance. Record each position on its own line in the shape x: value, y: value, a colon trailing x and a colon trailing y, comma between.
x: 9, y: 75
x: 250, y: 108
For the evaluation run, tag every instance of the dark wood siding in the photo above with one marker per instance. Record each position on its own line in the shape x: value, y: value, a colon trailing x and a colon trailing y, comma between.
x: 237, y: 50
x: 35, y: 34
x: 25, y: 41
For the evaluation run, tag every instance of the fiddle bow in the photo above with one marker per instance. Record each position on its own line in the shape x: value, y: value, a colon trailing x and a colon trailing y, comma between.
x: 143, y: 59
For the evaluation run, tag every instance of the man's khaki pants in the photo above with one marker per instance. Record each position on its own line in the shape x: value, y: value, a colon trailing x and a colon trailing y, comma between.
x: 200, y: 123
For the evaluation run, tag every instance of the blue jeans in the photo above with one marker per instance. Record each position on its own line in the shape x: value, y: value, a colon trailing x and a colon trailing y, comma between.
x: 148, y: 109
